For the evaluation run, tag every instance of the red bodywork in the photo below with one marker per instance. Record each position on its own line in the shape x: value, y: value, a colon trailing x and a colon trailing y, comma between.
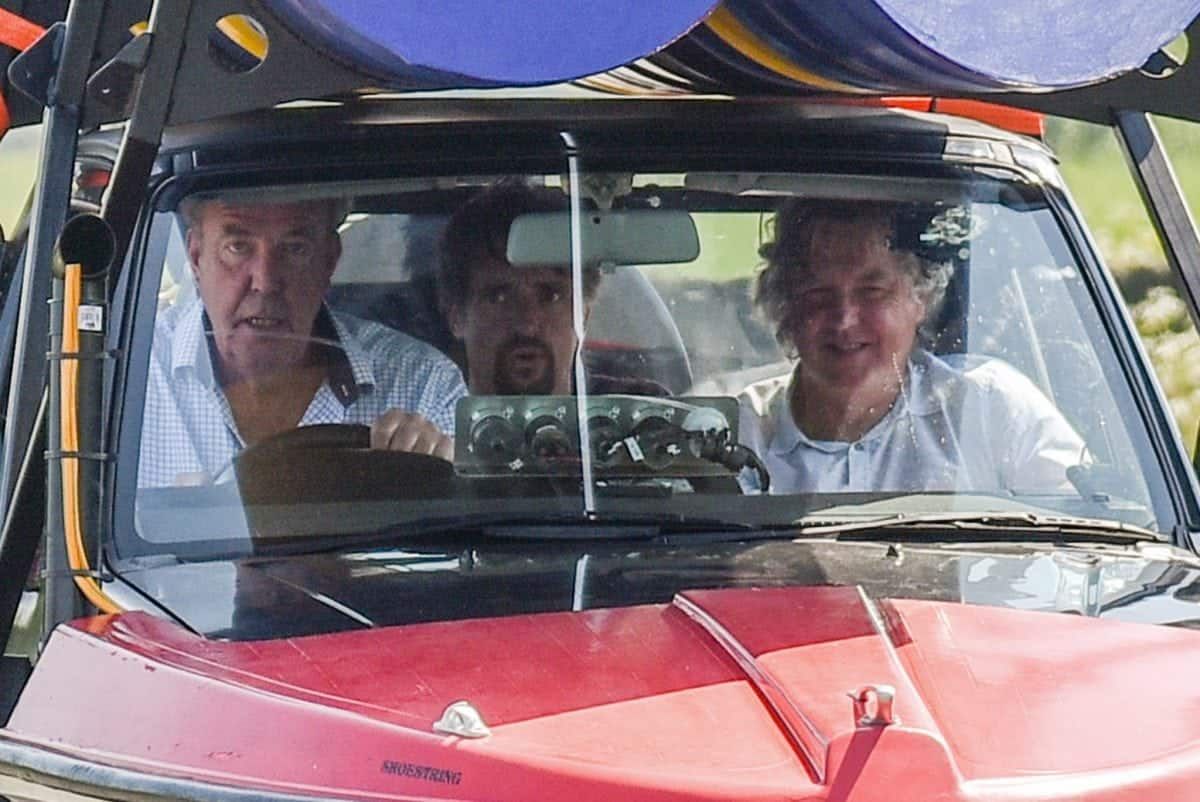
x: 731, y: 694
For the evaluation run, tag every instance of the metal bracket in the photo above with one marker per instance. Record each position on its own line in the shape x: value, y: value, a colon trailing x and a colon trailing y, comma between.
x: 112, y: 86
x: 873, y: 705
x: 93, y: 456
x: 90, y: 573
x: 84, y: 356
x: 33, y: 69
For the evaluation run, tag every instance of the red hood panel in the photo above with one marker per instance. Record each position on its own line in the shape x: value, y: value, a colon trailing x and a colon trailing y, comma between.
x: 721, y: 695
x: 1010, y: 692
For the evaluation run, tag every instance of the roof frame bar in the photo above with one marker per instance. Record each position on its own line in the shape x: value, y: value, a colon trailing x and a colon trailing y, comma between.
x: 1163, y: 197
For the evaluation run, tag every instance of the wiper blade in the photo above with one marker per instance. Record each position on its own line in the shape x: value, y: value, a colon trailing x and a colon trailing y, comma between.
x: 524, y: 527
x: 980, y: 526
x: 624, y: 526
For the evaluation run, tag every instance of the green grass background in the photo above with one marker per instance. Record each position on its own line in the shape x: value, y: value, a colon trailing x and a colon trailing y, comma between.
x: 1102, y: 186
x: 1095, y: 171
x: 18, y: 167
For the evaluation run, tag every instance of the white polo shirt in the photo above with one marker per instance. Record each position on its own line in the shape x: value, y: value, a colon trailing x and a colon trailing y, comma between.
x: 983, y: 428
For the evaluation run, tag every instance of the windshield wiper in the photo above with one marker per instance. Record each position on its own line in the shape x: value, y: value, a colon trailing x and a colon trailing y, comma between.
x: 616, y: 527
x: 957, y: 526
x: 947, y: 527
x: 510, y: 527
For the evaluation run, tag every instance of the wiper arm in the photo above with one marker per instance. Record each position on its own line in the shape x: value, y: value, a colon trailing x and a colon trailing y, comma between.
x: 981, y: 526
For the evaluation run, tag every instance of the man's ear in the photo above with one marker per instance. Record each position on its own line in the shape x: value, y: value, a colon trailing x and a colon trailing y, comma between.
x: 335, y: 254
x: 923, y: 314
x: 455, y: 319
x: 193, y: 251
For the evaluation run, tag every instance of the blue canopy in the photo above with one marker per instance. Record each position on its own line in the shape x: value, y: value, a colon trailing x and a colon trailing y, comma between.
x: 464, y: 43
x: 841, y: 45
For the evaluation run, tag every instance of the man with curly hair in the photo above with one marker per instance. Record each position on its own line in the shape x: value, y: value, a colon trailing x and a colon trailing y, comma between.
x: 851, y: 288
x: 516, y: 324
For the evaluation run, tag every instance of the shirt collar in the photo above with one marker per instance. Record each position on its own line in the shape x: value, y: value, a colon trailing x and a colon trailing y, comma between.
x: 350, y: 373
x: 189, y: 351
x: 350, y: 370
x: 918, y: 396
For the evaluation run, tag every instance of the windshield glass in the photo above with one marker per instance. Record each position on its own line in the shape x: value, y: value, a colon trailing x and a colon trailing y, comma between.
x: 733, y: 349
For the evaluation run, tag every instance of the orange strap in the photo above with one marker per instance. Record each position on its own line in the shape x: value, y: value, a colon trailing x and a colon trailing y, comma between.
x: 18, y: 32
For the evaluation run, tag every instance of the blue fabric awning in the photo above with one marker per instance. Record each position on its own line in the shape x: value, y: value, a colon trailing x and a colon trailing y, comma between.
x: 840, y: 45
x: 469, y: 43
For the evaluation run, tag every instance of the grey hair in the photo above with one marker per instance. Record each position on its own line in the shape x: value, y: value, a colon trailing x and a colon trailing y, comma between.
x: 793, y: 228
x: 190, y: 206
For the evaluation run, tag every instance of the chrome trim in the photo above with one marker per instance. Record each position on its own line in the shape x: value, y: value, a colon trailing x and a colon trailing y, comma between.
x: 463, y: 720
x: 873, y: 705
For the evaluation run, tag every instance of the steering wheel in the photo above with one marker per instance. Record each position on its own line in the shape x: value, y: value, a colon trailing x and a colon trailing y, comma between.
x: 334, y: 462
x: 317, y: 436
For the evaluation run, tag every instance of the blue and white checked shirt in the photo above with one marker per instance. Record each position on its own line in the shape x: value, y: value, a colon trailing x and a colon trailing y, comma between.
x: 188, y: 431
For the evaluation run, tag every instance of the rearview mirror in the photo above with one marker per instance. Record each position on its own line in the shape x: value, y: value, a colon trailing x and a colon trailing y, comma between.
x: 626, y: 237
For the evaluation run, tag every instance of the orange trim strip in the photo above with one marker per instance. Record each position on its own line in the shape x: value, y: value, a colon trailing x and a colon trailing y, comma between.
x: 1019, y: 121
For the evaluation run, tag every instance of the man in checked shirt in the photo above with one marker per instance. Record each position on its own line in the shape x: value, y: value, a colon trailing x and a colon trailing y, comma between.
x: 259, y: 352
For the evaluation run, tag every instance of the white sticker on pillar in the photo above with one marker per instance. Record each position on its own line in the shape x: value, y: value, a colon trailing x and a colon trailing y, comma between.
x: 91, y: 318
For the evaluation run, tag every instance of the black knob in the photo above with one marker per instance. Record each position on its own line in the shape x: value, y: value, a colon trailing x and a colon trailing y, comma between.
x: 495, y: 440
x: 547, y: 438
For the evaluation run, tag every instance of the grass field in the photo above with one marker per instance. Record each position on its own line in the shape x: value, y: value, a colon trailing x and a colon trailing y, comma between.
x: 1093, y: 165
x: 1094, y: 169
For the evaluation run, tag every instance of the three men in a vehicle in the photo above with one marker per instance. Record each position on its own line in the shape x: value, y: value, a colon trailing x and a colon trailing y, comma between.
x: 846, y: 285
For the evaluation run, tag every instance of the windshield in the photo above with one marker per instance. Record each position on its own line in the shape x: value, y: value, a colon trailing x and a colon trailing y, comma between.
x: 542, y: 350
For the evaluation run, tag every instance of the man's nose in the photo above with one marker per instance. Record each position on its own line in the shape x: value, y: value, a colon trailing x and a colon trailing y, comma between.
x: 530, y: 320
x: 266, y: 271
x: 843, y: 313
x: 530, y: 315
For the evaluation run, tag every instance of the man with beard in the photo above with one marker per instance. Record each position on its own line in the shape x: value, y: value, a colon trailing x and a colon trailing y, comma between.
x: 258, y: 352
x: 516, y: 324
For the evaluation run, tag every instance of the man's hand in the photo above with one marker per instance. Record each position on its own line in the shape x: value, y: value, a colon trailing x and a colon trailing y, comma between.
x: 397, y: 430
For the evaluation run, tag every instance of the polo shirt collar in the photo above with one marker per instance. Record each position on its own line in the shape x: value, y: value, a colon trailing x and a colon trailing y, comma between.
x: 917, y: 397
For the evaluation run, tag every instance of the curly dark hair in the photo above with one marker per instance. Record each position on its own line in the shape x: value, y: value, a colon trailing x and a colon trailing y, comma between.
x: 926, y: 239
x: 480, y: 227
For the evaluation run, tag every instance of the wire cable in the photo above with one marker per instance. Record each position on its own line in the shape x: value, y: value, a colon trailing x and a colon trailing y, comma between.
x: 72, y: 516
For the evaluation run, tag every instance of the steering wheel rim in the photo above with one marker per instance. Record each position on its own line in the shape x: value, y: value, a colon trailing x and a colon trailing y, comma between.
x: 316, y: 436
x: 276, y: 470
